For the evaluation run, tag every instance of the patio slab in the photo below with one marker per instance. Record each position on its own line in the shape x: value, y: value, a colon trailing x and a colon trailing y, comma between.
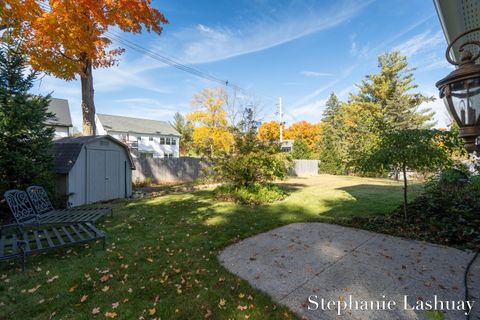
x: 335, y: 263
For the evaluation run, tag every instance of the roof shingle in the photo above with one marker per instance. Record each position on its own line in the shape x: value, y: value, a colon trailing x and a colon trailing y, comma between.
x: 137, y: 125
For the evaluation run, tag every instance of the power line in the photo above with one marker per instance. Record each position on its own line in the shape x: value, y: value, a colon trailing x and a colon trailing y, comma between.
x: 171, y: 61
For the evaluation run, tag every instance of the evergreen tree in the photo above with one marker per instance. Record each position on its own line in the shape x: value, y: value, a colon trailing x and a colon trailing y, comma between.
x: 184, y: 127
x: 300, y: 150
x: 24, y: 139
x: 392, y: 90
x: 332, y: 148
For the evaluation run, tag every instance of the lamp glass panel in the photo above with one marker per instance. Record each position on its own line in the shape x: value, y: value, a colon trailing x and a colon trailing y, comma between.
x: 465, y: 99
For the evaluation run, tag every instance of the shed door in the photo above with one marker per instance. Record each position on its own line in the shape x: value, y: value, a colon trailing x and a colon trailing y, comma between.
x: 104, y: 175
x: 96, y: 175
x: 113, y: 188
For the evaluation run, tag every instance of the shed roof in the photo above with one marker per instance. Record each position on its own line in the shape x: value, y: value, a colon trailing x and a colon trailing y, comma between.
x: 67, y: 150
x: 137, y: 125
x: 61, y: 110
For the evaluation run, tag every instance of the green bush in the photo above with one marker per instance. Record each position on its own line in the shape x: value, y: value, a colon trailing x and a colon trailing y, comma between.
x: 253, y: 194
x: 250, y: 161
x: 447, y: 212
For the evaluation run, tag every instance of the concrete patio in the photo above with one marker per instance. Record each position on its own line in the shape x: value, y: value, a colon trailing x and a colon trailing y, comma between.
x: 335, y: 263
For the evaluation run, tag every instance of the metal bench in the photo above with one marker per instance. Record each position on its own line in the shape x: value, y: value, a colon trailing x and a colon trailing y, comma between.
x: 46, y: 213
x: 28, y: 236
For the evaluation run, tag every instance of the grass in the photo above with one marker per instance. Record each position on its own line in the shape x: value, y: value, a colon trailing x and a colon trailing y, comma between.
x: 161, y: 257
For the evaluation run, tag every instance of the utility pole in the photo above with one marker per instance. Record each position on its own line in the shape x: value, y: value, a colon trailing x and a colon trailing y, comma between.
x: 280, y: 113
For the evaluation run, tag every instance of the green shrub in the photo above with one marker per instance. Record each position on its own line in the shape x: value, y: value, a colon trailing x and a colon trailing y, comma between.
x: 250, y: 161
x: 447, y: 212
x: 253, y: 194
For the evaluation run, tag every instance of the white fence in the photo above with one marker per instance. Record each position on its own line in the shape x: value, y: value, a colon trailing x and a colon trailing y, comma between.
x: 187, y: 169
x: 304, y: 168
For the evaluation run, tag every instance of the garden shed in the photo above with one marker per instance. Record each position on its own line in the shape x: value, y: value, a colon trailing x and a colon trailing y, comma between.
x: 92, y: 169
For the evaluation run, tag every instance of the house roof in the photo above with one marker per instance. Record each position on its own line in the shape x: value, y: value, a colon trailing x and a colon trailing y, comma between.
x: 67, y: 150
x: 61, y: 110
x: 137, y: 125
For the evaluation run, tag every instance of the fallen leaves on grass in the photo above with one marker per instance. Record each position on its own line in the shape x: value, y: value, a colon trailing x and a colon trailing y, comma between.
x: 152, y: 311
x: 34, y: 289
x: 96, y: 310
x: 84, y: 298
x: 52, y: 279
x: 73, y: 288
x: 111, y: 314
x: 105, y: 289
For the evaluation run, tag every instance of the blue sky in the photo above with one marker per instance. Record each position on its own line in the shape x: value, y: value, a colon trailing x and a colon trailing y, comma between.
x: 300, y: 50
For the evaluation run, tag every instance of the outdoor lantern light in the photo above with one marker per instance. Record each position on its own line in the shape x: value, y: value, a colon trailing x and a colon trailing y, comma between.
x: 460, y: 91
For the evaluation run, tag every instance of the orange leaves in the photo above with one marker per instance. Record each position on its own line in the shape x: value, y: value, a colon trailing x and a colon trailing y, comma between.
x: 304, y: 130
x: 59, y: 38
x: 269, y: 131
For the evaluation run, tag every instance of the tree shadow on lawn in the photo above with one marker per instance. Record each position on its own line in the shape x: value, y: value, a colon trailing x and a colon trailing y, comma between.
x: 178, y: 236
x: 367, y: 200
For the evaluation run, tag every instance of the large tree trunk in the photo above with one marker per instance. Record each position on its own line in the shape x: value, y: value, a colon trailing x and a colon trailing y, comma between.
x: 405, y: 194
x: 88, y: 106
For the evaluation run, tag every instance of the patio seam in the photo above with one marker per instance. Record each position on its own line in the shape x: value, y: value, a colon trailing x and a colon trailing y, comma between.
x: 328, y: 267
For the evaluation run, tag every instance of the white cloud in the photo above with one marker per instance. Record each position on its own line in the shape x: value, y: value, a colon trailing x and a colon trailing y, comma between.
x: 203, y: 44
x: 315, y: 74
x: 420, y: 43
x: 312, y: 111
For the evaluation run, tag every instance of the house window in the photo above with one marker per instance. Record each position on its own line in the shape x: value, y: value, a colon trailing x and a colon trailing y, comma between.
x: 174, y: 141
x: 170, y: 155
x: 168, y: 141
x: 162, y: 140
x: 139, y: 138
x: 165, y: 155
x: 150, y: 138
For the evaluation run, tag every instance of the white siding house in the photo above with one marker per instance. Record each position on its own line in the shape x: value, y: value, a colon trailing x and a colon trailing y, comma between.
x: 154, y: 138
x: 62, y: 121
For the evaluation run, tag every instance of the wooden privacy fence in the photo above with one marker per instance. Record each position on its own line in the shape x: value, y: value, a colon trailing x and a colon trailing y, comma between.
x: 304, y: 168
x: 187, y: 169
x: 161, y: 170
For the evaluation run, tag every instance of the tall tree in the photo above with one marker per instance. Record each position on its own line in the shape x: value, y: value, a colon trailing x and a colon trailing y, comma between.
x: 300, y: 150
x: 332, y: 148
x: 24, y: 138
x: 184, y: 127
x: 306, y: 131
x: 68, y: 38
x: 393, y: 90
x: 412, y: 150
x: 211, y: 131
x: 269, y: 131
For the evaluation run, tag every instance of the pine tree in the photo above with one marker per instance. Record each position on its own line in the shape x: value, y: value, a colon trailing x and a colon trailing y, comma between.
x: 300, y: 150
x: 183, y: 127
x: 25, y: 141
x: 392, y: 90
x: 332, y: 146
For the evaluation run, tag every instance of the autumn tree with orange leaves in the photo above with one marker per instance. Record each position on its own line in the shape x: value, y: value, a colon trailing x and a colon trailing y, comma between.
x: 67, y: 38
x: 269, y: 131
x: 306, y: 131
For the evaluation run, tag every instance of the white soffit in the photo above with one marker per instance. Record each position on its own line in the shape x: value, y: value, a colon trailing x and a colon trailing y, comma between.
x: 456, y: 17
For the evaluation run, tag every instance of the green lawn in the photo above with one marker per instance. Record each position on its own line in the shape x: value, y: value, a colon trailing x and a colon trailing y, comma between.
x: 161, y: 253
